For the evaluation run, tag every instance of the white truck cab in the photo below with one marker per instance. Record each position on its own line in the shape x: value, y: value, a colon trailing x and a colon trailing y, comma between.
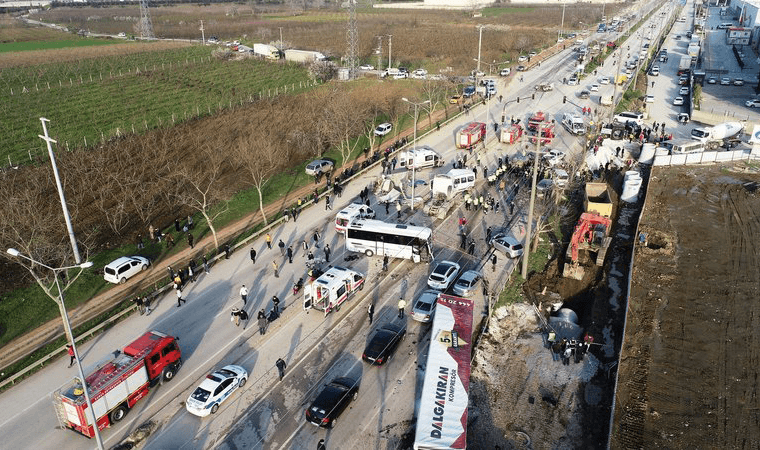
x: 453, y: 182
x: 420, y: 157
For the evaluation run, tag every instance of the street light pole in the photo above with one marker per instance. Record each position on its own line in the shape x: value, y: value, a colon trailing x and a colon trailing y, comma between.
x: 66, y: 215
x: 414, y: 149
x: 559, y: 33
x: 480, y: 41
x: 69, y: 333
x: 390, y: 47
x: 529, y: 230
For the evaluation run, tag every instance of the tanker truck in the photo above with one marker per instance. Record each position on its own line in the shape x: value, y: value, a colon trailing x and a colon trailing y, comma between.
x: 722, y: 135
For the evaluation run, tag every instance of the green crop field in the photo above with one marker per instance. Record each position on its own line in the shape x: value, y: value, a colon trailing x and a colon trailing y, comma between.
x: 89, y: 100
x: 46, y: 45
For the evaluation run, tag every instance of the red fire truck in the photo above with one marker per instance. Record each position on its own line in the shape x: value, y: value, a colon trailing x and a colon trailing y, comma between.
x: 510, y: 134
x: 536, y: 120
x: 547, y: 134
x: 470, y: 135
x: 118, y: 384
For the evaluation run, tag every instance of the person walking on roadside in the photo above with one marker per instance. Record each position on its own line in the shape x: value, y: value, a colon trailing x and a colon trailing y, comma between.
x: 276, y: 268
x: 262, y: 322
x: 289, y: 252
x: 139, y: 302
x: 401, y: 306
x: 327, y: 252
x: 190, y: 239
x: 72, y: 358
x: 244, y: 294
x: 180, y: 300
x: 511, y: 207
x: 493, y: 263
x: 190, y: 274
x: 281, y: 366
x: 276, y: 305
x: 253, y: 256
x: 315, y: 237
x: 371, y: 311
x: 327, y: 203
x: 269, y: 241
x: 282, y: 247
x: 205, y: 265
x: 304, y: 246
x: 238, y: 315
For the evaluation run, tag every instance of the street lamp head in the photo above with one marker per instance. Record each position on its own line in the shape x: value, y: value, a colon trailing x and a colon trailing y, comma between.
x: 13, y: 252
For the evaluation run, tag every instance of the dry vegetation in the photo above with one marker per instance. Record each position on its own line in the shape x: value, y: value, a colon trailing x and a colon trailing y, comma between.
x: 432, y: 39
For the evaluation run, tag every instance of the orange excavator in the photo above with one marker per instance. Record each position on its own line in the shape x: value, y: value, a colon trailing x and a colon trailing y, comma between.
x: 592, y: 237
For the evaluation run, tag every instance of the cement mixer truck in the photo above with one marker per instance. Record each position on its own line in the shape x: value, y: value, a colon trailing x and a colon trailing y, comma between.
x: 723, y: 135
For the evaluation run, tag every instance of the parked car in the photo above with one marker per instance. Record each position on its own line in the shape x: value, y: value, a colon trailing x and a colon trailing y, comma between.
x: 467, y: 284
x: 419, y: 73
x: 725, y: 81
x: 584, y: 94
x: 604, y: 80
x: 507, y: 245
x: 443, y: 275
x: 521, y: 68
x: 594, y: 88
x: 454, y: 99
x: 469, y: 91
x: 712, y: 80
x: 215, y: 389
x: 543, y: 186
x: 649, y: 99
x: 124, y: 268
x: 572, y: 81
x: 684, y: 90
x: 319, y: 166
x: 738, y: 81
x: 553, y: 157
x: 424, y: 307
x: 522, y: 58
x: 655, y: 71
x: 367, y: 67
x: 678, y: 101
x: 382, y: 345
x: 754, y: 103
x: 331, y: 401
x: 383, y: 129
x: 122, y: 34
x: 505, y: 72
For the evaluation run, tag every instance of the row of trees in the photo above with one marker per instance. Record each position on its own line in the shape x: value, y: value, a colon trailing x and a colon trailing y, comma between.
x: 118, y: 189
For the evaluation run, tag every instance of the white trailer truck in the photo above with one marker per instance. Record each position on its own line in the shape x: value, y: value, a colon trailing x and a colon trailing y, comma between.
x: 303, y: 56
x: 267, y: 51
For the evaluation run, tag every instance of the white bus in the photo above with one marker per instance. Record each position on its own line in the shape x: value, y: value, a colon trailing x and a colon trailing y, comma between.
x: 375, y: 237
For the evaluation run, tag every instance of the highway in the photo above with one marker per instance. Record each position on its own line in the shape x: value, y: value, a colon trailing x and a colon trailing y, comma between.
x: 268, y: 413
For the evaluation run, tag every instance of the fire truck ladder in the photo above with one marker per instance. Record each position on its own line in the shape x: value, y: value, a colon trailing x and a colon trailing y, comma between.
x: 59, y: 411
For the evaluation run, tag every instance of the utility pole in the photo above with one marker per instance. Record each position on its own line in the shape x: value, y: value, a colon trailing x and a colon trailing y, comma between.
x: 414, y: 141
x: 203, y: 34
x: 480, y: 41
x: 529, y: 228
x: 281, y: 45
x: 146, y: 25
x: 352, y: 36
x: 559, y: 33
x: 390, y: 46
x: 62, y: 197
x: 379, y: 52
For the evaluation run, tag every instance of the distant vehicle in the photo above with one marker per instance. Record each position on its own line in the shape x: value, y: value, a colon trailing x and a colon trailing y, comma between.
x: 215, y: 389
x: 124, y: 268
x: 738, y: 82
x: 649, y: 99
x: 605, y: 80
x: 554, y: 157
x: 382, y: 345
x: 572, y: 81
x: 420, y: 157
x: 122, y: 34
x: 521, y: 68
x: 319, y: 166
x: 678, y: 101
x: 508, y: 245
x: 560, y: 176
x: 573, y: 124
x: 522, y: 58
x: 367, y: 67
x: 455, y: 99
x: 584, y: 94
x: 505, y: 72
x: 383, y: 129
x: 424, y: 307
x: 477, y: 74
x: 468, y: 92
x: 443, y: 275
x: 419, y: 73
x: 467, y: 284
x: 684, y: 90
x: 628, y: 116
x: 543, y: 186
x: 331, y: 401
x: 754, y: 103
x: 655, y: 71
x: 594, y: 88
x: 532, y: 54
x: 725, y: 81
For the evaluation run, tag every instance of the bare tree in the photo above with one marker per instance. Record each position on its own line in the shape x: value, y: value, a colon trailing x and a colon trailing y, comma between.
x: 433, y: 92
x: 197, y: 182
x: 259, y: 156
x: 343, y: 117
x: 323, y: 70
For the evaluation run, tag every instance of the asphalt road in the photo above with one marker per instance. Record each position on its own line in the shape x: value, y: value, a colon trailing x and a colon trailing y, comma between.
x: 268, y: 413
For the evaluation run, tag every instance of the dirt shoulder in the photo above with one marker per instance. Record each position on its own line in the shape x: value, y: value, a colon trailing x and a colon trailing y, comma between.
x: 689, y: 365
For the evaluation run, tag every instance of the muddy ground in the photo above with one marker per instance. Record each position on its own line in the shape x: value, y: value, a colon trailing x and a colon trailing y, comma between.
x: 689, y: 366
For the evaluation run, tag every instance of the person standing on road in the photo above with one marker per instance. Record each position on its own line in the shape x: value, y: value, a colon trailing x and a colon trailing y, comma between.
x: 493, y: 263
x: 268, y: 238
x: 276, y: 268
x: 276, y: 305
x: 139, y: 302
x: 180, y: 300
x: 289, y: 252
x: 282, y: 247
x: 70, y: 350
x: 327, y: 252
x: 244, y: 294
x: 401, y: 306
x: 511, y: 207
x: 327, y: 202
x: 321, y: 445
x: 253, y: 256
x: 304, y: 246
x: 315, y: 237
x: 398, y: 209
x: 281, y: 366
x: 371, y: 311
x: 488, y: 234
x: 262, y: 322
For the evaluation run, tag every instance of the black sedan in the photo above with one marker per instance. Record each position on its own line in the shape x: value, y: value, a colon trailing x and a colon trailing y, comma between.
x: 336, y: 395
x: 383, y: 344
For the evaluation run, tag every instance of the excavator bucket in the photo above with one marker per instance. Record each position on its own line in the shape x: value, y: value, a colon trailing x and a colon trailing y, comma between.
x: 574, y: 271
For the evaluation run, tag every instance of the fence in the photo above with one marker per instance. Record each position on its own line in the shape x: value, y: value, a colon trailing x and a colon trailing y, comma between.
x: 706, y: 158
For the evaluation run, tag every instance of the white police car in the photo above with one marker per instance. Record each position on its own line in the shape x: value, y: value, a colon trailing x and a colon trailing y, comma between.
x: 215, y: 389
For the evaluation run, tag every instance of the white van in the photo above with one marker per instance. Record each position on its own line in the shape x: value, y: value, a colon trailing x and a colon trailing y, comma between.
x: 351, y: 212
x: 686, y: 146
x: 725, y: 25
x: 453, y: 182
x: 628, y: 116
x: 420, y: 158
x: 560, y: 177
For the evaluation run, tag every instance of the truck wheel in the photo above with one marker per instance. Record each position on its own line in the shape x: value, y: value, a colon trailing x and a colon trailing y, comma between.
x: 215, y: 408
x: 119, y: 413
x: 369, y: 252
x: 168, y: 373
